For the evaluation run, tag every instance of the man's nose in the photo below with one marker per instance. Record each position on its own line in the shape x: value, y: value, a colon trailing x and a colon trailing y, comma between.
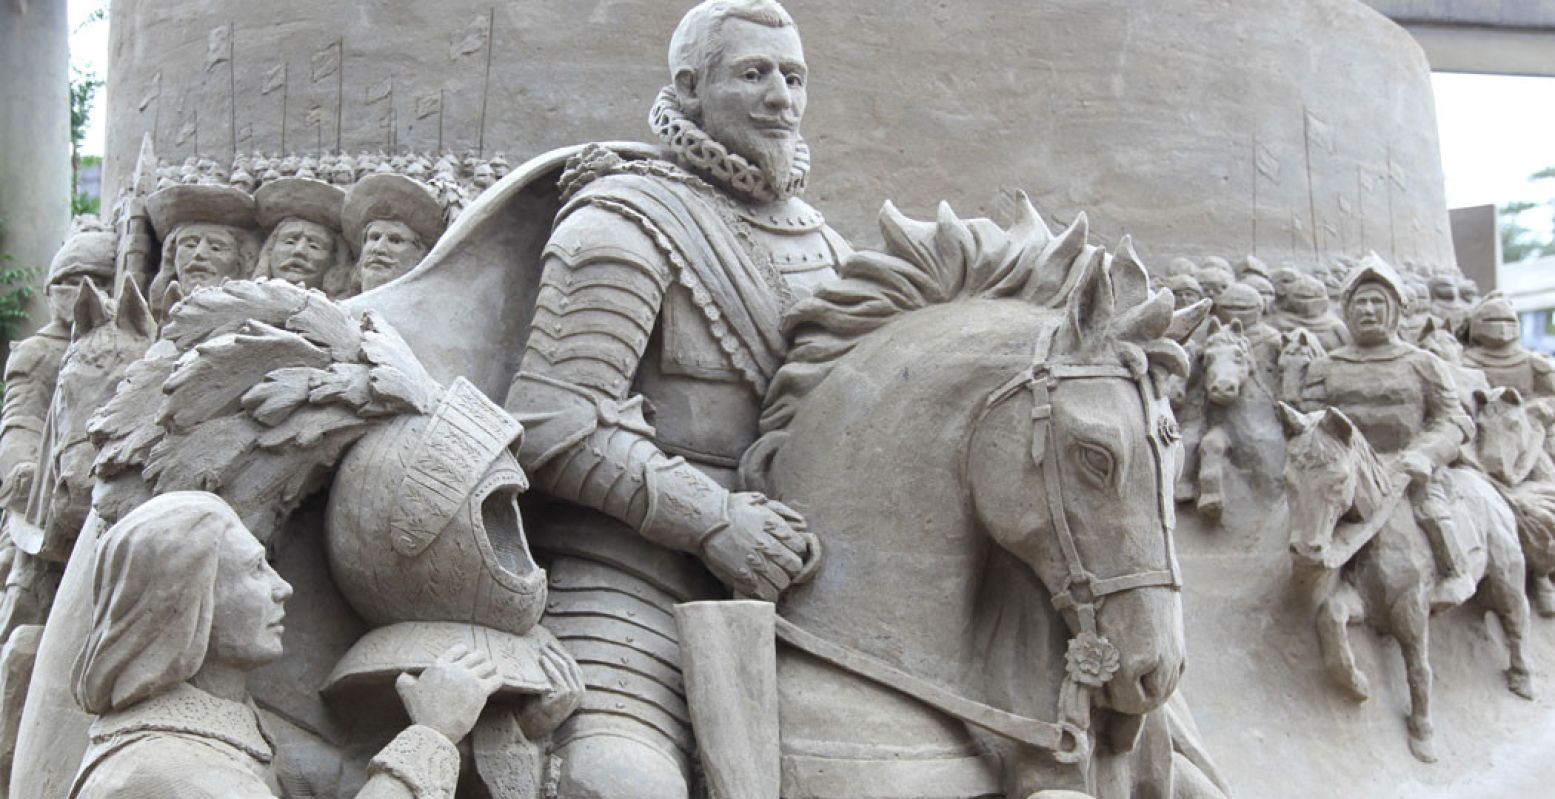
x: 778, y: 95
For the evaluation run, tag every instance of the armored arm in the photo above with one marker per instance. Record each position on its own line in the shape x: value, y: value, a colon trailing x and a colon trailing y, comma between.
x: 586, y: 440
x: 1447, y: 425
x: 30, y: 374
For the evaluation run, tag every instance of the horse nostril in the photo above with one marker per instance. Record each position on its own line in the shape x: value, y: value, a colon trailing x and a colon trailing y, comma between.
x: 1150, y: 684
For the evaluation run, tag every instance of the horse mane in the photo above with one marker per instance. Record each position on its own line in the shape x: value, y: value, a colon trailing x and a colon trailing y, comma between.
x: 926, y: 264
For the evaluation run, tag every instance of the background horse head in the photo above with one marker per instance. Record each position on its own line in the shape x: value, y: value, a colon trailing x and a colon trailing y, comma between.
x: 1298, y: 349
x: 1228, y: 362
x: 1507, y: 444
x: 105, y: 339
x: 971, y: 413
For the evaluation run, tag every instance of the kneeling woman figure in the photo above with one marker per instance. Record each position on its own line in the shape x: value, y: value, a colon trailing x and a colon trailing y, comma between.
x: 185, y: 604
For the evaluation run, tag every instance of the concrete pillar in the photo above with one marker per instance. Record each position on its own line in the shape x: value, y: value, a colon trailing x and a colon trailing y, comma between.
x: 34, y: 133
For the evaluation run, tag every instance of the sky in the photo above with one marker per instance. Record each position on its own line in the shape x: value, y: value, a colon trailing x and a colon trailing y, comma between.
x: 1495, y: 130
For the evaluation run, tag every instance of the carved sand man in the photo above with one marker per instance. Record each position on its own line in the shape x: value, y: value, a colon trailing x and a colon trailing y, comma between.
x: 304, y: 246
x: 392, y: 222
x: 86, y: 257
x: 664, y: 282
x: 1242, y: 303
x: 1214, y: 278
x: 1496, y: 348
x: 1405, y: 402
x: 1446, y: 301
x: 207, y: 235
x: 1306, y: 305
x: 185, y: 605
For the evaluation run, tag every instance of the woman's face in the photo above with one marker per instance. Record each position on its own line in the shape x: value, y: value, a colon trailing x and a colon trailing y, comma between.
x: 250, y: 602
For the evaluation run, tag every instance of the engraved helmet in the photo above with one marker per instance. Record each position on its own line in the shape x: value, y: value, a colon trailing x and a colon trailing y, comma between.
x: 423, y: 520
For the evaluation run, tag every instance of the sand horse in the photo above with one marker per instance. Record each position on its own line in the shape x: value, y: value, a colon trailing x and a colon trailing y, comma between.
x: 1239, y: 411
x: 1349, y: 514
x: 972, y: 423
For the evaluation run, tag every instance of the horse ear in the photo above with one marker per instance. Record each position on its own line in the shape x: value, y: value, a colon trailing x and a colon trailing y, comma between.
x: 170, y: 297
x: 1513, y: 397
x: 1091, y: 305
x: 91, y: 311
x: 1236, y: 326
x: 1293, y: 421
x: 134, y: 317
x: 1214, y: 326
x: 1339, y: 426
x: 1481, y: 398
x: 1185, y: 321
x: 1428, y: 328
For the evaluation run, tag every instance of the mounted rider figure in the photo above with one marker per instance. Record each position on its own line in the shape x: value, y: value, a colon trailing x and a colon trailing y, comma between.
x: 1404, y: 400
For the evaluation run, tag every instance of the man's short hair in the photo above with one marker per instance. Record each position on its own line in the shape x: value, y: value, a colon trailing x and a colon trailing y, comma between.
x: 695, y: 43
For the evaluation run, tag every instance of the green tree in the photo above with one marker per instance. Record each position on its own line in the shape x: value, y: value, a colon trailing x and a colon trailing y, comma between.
x: 84, y: 86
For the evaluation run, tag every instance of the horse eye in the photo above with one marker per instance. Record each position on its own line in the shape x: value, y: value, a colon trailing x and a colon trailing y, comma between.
x: 1096, y: 460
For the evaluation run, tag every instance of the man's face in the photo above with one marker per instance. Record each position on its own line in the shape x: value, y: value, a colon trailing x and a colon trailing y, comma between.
x: 246, y: 624
x: 389, y: 249
x: 206, y: 255
x: 752, y: 95
x: 64, y: 291
x: 1185, y: 296
x: 301, y: 252
x: 1495, y: 331
x: 1371, y: 315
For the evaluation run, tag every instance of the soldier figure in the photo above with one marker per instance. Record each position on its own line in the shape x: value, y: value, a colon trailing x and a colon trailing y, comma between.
x: 86, y: 257
x: 655, y: 335
x: 1497, y: 350
x: 392, y: 222
x: 1306, y: 305
x: 1404, y: 400
x: 1242, y: 303
x: 304, y: 246
x: 207, y: 235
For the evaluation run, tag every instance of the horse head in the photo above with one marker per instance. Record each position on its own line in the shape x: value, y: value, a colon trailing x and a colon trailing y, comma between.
x: 1298, y: 349
x: 1228, y: 362
x: 1439, y: 340
x: 1331, y: 472
x: 1072, y: 466
x: 1507, y: 442
x: 104, y: 341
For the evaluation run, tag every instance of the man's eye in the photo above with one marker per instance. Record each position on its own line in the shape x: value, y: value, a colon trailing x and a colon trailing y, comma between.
x: 795, y: 81
x: 752, y: 74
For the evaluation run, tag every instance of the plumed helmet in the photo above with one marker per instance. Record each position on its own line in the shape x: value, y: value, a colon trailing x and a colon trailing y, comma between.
x: 423, y: 520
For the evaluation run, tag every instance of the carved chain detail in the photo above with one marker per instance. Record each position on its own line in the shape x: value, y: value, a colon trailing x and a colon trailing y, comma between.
x: 694, y: 146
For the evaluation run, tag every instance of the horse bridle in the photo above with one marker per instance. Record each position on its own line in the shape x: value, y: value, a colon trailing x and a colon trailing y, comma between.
x: 1091, y: 660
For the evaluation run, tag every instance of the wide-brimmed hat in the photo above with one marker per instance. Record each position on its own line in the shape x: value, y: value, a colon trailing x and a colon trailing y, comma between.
x: 301, y: 198
x: 187, y: 204
x: 396, y: 197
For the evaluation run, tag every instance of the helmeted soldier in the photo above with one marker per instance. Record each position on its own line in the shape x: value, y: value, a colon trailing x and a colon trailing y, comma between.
x: 655, y: 335
x: 1242, y: 303
x: 86, y: 257
x: 1496, y: 348
x: 1405, y: 401
x: 1306, y: 305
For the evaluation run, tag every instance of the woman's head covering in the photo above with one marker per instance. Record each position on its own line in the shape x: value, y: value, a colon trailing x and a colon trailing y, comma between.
x: 153, y: 595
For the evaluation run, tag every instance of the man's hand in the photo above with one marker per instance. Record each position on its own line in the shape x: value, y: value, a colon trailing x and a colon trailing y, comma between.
x: 18, y: 485
x: 551, y: 708
x: 764, y: 549
x: 451, y: 693
x: 1416, y: 466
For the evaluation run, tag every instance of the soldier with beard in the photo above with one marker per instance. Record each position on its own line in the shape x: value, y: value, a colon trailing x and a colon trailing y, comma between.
x: 392, y: 222
x: 207, y: 235
x: 655, y: 335
x: 305, y: 246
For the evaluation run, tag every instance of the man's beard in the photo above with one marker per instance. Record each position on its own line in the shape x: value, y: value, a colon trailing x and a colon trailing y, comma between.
x: 775, y: 159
